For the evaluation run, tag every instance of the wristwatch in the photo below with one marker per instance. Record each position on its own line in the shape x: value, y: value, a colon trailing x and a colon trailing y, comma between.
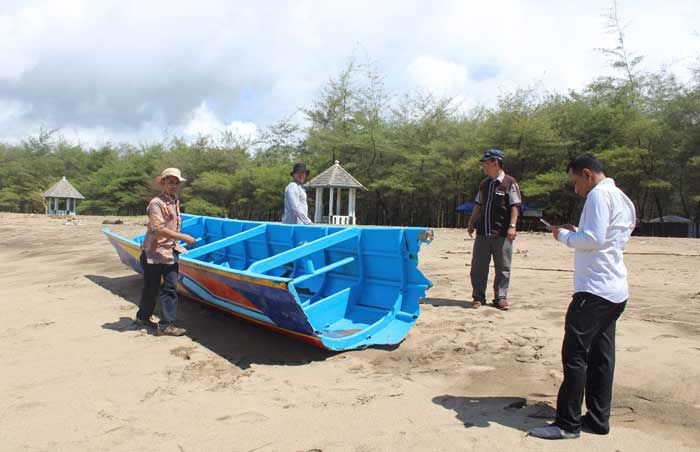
x: 512, y: 225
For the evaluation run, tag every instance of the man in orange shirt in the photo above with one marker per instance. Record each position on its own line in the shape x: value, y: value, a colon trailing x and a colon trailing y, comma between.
x: 159, y: 256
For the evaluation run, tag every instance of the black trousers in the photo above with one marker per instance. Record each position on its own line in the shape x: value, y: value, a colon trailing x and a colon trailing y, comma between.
x: 166, y: 292
x: 588, y: 355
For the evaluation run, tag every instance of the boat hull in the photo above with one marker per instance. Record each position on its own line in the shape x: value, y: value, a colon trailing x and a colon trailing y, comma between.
x: 319, y: 286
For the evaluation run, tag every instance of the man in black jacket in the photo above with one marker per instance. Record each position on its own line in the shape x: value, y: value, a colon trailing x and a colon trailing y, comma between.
x: 495, y: 218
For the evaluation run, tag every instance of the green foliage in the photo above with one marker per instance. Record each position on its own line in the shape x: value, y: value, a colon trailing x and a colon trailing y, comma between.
x: 418, y: 155
x: 199, y: 206
x: 545, y: 184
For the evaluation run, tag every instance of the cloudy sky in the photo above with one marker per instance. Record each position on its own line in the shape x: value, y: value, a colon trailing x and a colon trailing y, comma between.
x: 139, y: 71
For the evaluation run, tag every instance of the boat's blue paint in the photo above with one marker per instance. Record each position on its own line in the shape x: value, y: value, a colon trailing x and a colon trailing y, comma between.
x: 341, y: 287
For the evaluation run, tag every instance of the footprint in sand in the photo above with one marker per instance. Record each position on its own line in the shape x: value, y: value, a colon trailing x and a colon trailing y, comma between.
x: 183, y: 352
x: 27, y: 407
x: 251, y: 417
x: 356, y: 368
x: 480, y: 369
x: 40, y: 324
x: 528, y: 357
x: 634, y: 349
x: 666, y: 336
x: 622, y: 410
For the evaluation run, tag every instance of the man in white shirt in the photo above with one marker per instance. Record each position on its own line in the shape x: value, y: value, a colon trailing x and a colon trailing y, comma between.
x: 296, y: 208
x: 600, y: 295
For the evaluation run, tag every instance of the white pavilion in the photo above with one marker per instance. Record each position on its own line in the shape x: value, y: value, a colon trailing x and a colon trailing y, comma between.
x: 336, y: 179
x: 62, y: 198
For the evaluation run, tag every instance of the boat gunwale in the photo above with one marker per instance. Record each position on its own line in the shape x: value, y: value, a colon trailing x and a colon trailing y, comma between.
x: 186, y: 216
x: 243, y: 275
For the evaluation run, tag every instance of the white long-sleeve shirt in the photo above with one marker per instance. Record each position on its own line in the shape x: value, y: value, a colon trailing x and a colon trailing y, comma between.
x: 606, y: 224
x: 296, y: 209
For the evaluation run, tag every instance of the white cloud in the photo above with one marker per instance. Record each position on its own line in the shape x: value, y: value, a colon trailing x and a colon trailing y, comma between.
x: 12, y: 111
x: 203, y: 121
x: 437, y: 75
x: 131, y: 70
x: 246, y: 130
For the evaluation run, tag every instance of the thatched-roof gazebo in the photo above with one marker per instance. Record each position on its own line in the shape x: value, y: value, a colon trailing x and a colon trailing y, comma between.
x: 62, y: 198
x: 335, y: 178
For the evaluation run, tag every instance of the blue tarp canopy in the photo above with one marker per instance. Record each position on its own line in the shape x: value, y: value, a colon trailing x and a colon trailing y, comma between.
x: 467, y: 207
x: 531, y: 207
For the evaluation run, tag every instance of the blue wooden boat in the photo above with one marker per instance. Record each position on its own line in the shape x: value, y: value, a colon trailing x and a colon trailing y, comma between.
x: 338, y: 287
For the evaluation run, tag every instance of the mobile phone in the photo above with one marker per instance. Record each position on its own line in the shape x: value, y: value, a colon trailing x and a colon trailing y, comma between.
x: 545, y: 222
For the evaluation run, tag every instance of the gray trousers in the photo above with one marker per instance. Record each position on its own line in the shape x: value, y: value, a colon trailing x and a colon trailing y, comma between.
x: 501, y: 249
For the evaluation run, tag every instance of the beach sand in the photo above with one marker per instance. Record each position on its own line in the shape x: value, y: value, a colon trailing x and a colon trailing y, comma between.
x: 76, y: 377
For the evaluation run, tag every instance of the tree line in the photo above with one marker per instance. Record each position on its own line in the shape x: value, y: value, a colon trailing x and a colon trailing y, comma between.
x: 417, y: 154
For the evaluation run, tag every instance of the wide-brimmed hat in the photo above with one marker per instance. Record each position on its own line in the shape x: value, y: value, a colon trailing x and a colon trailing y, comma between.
x: 300, y: 167
x: 492, y: 154
x: 174, y: 172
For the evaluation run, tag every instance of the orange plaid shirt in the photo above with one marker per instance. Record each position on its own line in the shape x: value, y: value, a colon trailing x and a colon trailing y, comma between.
x: 163, y: 212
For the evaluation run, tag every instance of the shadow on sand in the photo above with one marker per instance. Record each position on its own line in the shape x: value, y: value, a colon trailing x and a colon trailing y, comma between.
x: 513, y: 412
x: 444, y: 302
x: 447, y: 302
x: 238, y: 341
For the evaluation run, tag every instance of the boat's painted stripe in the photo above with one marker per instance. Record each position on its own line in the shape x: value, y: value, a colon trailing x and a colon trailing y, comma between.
x: 213, y: 268
x: 218, y: 287
x: 202, y: 292
x: 304, y: 337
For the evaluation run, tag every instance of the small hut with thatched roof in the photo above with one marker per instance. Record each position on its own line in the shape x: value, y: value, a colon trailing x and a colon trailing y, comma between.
x: 62, y: 198
x: 335, y: 178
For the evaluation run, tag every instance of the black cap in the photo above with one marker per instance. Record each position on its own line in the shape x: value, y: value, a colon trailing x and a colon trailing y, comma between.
x: 300, y: 167
x: 492, y: 154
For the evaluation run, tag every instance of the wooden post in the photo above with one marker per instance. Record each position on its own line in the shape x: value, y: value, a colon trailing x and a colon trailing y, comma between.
x: 330, y: 208
x: 337, y: 204
x: 318, y: 214
x: 351, y: 205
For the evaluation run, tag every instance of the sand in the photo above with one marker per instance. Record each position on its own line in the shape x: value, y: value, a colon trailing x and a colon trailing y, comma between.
x: 76, y: 377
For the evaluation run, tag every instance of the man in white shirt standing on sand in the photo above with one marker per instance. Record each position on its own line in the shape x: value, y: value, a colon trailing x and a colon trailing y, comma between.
x: 600, y: 296
x: 296, y: 208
